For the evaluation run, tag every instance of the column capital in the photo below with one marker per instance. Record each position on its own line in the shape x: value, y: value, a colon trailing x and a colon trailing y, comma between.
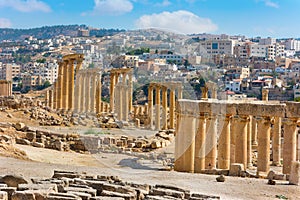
x: 265, y: 119
x: 242, y: 118
x: 291, y: 121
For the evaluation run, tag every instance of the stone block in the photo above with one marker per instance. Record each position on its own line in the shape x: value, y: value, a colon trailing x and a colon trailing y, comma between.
x: 22, y: 195
x: 126, y: 196
x: 45, y: 186
x: 167, y: 192
x: 31, y: 136
x: 90, y: 191
x: 82, y: 195
x: 3, y: 195
x: 13, y: 180
x: 236, y: 169
x: 22, y: 141
x: 9, y: 190
x: 38, y: 145
x: 62, y: 196
x: 106, y: 198
x: 294, y: 178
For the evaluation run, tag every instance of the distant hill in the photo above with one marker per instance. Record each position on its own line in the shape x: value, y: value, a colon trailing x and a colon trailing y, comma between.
x: 52, y: 31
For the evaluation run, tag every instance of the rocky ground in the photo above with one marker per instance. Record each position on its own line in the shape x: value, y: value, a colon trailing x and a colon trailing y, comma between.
x: 148, y: 164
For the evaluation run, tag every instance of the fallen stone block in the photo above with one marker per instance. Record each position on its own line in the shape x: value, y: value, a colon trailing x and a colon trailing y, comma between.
x: 23, y: 195
x: 118, y: 194
x: 20, y: 126
x: 90, y: 191
x: 3, y: 195
x: 62, y: 196
x: 46, y: 186
x: 38, y: 145
x: 82, y: 195
x: 236, y: 169
x: 197, y: 196
x: 13, y: 180
x: 9, y: 190
x: 106, y: 198
x: 167, y: 192
x: 151, y: 197
x: 22, y: 141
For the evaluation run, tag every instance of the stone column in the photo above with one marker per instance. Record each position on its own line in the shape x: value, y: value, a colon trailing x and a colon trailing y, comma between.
x: 224, y: 145
x: 119, y: 100
x: 180, y: 91
x: 50, y: 98
x: 241, y: 140
x: 130, y: 93
x: 157, y: 108
x: 126, y: 102
x: 87, y: 92
x: 98, y: 95
x: 71, y: 77
x: 83, y: 83
x: 263, y: 148
x: 164, y: 110
x: 112, y: 91
x: 204, y: 91
x: 276, y: 141
x: 289, y: 144
x: 211, y: 143
x: 150, y: 106
x: 265, y: 94
x: 233, y: 126
x: 254, y: 132
x: 172, y: 109
x: 249, y: 143
x: 185, y: 144
x: 200, y: 144
x: 77, y: 92
x: 55, y: 95
x: 65, y: 86
x: 93, y: 93
x: 60, y: 85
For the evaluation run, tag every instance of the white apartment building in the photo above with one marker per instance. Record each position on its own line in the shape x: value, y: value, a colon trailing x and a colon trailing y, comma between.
x: 248, y: 50
x: 275, y: 50
x: 49, y: 72
x: 292, y: 44
x: 9, y: 70
x: 267, y: 41
x: 216, y: 47
x: 234, y: 85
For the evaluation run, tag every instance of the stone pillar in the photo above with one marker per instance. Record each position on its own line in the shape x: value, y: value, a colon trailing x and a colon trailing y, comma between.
x: 180, y: 92
x: 130, y: 93
x: 263, y: 148
x: 65, y: 86
x: 172, y: 109
x: 164, y: 110
x: 157, y: 108
x: 254, y: 132
x: 87, y: 92
x: 55, y: 95
x: 126, y: 102
x: 50, y: 103
x: 200, y: 144
x: 99, y: 104
x: 241, y: 140
x: 289, y: 144
x: 77, y: 93
x: 112, y: 91
x: 185, y: 144
x: 119, y: 99
x: 265, y: 94
x: 60, y: 85
x: 150, y: 106
x: 276, y: 141
x: 233, y: 126
x: 93, y: 93
x: 71, y: 77
x: 224, y: 145
x: 83, y: 83
x: 249, y: 143
x: 211, y: 143
x: 204, y: 91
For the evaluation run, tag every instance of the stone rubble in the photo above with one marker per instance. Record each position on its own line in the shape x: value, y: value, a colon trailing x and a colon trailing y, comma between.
x: 80, y: 186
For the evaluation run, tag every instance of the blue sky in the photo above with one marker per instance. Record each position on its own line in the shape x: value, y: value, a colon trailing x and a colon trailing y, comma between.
x: 274, y: 18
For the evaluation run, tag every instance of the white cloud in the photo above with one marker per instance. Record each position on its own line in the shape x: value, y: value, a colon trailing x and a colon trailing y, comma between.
x: 179, y: 21
x: 112, y: 7
x: 272, y: 4
x: 25, y: 5
x: 5, y: 23
x: 164, y: 3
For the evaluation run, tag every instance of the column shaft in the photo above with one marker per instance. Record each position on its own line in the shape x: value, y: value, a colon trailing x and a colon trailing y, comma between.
x: 83, y: 83
x: 200, y: 144
x: 71, y: 77
x: 157, y: 108
x: 276, y: 141
x: 65, y: 86
x: 150, y: 106
x: 130, y: 93
x: 211, y: 143
x: 98, y: 95
x: 185, y: 144
x: 87, y: 92
x: 93, y: 93
x: 172, y: 109
x: 224, y: 145
x: 164, y: 110
x: 241, y: 140
x: 263, y: 148
x: 60, y: 85
x: 112, y: 91
x: 249, y: 143
x: 289, y: 145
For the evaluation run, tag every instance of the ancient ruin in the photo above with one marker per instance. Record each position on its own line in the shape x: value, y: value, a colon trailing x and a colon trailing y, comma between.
x: 5, y: 88
x: 121, y: 92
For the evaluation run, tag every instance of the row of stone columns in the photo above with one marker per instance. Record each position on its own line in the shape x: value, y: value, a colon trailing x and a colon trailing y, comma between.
x: 200, y: 146
x: 121, y: 91
x: 5, y: 88
x: 64, y: 85
x: 88, y: 91
x: 161, y: 99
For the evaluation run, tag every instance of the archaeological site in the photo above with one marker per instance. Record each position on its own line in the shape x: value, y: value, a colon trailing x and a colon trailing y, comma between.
x: 87, y: 137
